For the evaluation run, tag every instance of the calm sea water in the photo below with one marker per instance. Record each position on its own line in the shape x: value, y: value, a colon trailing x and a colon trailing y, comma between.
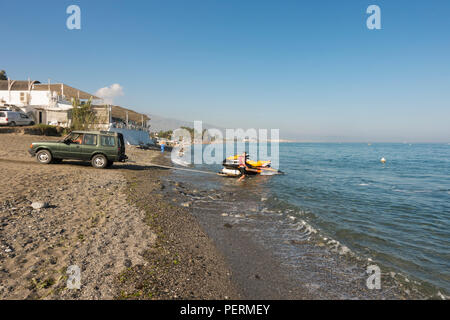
x: 397, y: 213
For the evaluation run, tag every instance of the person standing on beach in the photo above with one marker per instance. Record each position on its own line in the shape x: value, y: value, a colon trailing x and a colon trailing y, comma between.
x: 163, y: 145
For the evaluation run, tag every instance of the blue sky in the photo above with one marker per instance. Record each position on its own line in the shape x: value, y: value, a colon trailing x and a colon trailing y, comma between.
x: 310, y: 68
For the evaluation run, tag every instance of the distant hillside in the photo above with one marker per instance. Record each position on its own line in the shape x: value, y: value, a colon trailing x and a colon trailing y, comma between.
x: 158, y: 123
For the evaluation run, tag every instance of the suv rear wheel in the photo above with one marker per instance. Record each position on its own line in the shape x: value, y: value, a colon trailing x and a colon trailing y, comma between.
x: 12, y: 124
x: 44, y: 156
x: 99, y: 161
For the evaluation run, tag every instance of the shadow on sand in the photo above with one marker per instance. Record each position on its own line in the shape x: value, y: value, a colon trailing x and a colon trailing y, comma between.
x: 87, y: 165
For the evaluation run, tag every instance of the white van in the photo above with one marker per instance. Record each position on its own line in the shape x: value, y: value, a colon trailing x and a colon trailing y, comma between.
x: 14, y: 118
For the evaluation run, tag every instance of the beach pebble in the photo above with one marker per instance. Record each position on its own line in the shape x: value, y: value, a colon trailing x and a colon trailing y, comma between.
x: 263, y: 199
x: 320, y: 244
x: 344, y: 250
x: 186, y: 204
x: 39, y: 205
x: 224, y: 214
x: 127, y: 263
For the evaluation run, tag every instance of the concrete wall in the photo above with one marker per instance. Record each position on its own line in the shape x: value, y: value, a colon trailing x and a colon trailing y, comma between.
x: 57, y: 118
x: 134, y: 137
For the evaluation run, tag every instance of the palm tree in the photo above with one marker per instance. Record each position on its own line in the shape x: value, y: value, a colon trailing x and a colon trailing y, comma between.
x: 83, y: 117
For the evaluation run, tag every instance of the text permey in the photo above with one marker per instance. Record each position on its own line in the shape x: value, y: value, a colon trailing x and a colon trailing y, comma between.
x: 236, y: 309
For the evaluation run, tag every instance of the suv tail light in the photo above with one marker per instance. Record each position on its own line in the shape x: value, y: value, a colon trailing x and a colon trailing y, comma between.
x: 6, y: 119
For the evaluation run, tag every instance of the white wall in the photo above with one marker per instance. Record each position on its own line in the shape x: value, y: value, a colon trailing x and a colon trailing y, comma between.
x: 36, y: 98
x: 39, y: 98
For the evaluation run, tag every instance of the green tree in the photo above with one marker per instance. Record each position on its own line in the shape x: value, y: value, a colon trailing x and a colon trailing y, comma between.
x: 82, y: 115
x: 192, y: 132
x: 165, y: 134
x: 3, y: 75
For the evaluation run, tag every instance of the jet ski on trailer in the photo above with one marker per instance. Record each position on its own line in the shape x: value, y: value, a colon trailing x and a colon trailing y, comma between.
x: 231, y: 167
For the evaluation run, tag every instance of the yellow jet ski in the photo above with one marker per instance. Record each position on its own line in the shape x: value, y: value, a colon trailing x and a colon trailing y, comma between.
x: 231, y: 167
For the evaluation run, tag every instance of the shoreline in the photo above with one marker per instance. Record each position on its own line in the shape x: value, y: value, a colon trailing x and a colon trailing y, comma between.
x: 310, y: 267
x: 185, y: 262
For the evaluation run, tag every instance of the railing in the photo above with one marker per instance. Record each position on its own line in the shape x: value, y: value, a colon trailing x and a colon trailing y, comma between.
x: 130, y: 126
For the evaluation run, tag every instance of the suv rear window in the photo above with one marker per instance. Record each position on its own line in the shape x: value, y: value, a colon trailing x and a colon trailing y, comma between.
x: 107, y: 141
x: 90, y: 139
x: 2, y: 115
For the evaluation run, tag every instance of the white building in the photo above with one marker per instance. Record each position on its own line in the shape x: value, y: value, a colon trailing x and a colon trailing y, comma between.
x: 50, y: 104
x: 46, y: 103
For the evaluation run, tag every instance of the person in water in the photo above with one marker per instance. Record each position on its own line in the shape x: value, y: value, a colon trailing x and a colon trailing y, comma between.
x: 242, y: 165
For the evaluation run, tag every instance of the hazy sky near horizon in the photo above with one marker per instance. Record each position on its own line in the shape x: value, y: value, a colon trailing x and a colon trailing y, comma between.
x: 310, y: 68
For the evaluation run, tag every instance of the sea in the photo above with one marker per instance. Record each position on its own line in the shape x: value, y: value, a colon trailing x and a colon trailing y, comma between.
x: 338, y: 201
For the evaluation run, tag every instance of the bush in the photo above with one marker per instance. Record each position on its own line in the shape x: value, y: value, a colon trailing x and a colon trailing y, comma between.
x: 64, y: 131
x: 44, y: 130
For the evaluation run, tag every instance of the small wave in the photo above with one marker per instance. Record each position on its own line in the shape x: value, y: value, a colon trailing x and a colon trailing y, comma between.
x: 333, y: 245
x: 307, y: 228
x: 413, y: 191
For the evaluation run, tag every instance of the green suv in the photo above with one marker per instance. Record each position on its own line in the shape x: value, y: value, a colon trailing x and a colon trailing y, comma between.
x: 101, y: 148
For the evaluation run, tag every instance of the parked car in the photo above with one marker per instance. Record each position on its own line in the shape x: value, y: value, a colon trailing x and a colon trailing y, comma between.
x: 101, y: 148
x: 14, y: 118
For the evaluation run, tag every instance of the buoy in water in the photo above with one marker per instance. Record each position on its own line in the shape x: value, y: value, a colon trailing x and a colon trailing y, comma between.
x: 383, y: 160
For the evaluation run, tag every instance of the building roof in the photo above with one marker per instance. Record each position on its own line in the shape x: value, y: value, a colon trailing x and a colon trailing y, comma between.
x: 17, y: 84
x: 59, y: 88
x: 64, y: 89
x: 121, y: 113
